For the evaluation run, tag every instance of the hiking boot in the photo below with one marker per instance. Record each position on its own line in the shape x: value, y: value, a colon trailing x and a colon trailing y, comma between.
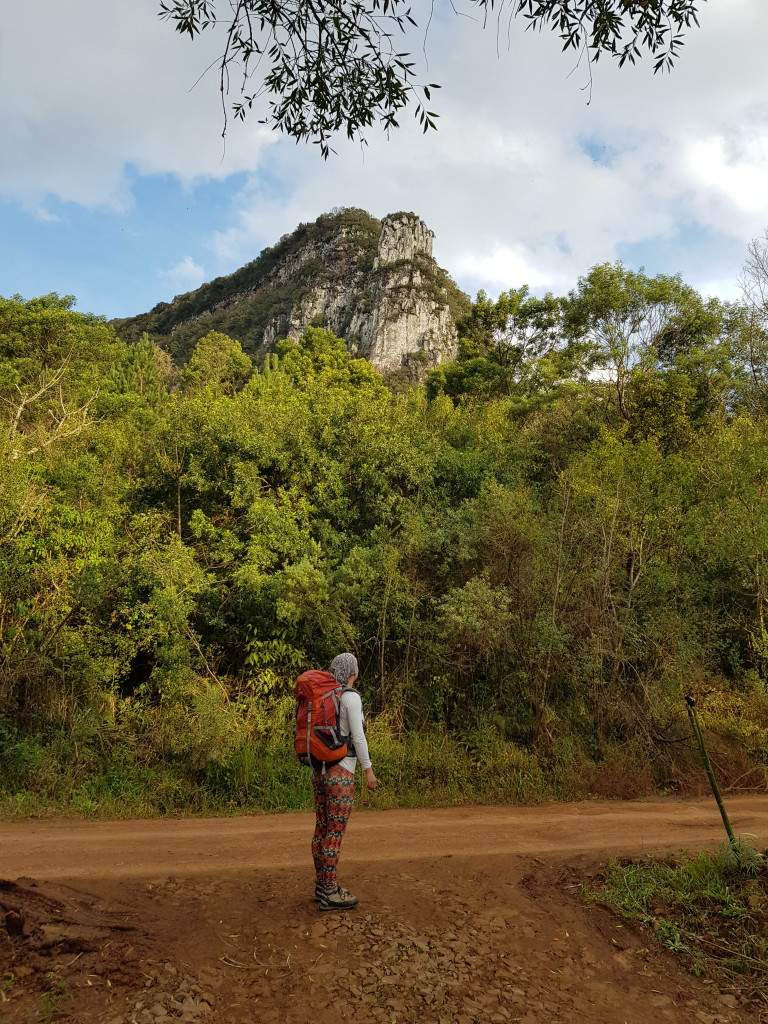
x: 339, y: 899
x: 319, y: 890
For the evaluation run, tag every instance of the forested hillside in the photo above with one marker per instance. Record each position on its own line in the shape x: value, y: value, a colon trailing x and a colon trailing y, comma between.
x: 534, y: 554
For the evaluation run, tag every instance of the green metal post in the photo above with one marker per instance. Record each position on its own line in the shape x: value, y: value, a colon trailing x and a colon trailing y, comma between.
x: 694, y: 717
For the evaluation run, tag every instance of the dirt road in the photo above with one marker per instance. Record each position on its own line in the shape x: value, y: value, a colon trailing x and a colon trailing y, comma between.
x: 467, y: 916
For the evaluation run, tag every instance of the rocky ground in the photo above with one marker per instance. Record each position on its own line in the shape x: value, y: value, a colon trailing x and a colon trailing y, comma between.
x: 456, y: 931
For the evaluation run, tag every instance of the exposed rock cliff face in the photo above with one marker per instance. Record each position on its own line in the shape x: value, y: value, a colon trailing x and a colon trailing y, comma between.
x: 374, y: 283
x: 411, y: 311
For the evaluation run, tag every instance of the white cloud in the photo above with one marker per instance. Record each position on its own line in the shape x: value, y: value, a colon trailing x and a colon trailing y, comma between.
x: 504, y: 265
x: 508, y: 182
x: 726, y: 288
x: 185, y: 274
x: 90, y: 87
x: 45, y: 216
x: 736, y: 175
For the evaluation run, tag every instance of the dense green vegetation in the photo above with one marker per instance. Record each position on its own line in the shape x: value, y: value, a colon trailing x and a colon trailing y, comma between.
x: 534, y: 554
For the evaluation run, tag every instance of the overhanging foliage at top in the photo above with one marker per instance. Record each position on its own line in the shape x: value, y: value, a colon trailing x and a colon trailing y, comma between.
x: 324, y: 66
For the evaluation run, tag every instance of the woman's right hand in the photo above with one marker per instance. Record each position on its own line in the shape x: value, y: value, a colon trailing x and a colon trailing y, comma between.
x: 370, y: 778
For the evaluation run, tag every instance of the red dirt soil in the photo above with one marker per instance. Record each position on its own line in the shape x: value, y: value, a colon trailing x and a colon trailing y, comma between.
x: 466, y: 916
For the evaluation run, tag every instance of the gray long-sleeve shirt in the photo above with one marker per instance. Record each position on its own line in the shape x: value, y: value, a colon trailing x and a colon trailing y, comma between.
x: 351, y: 724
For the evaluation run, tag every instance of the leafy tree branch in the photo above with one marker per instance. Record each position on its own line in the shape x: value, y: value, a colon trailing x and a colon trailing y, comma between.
x: 325, y: 66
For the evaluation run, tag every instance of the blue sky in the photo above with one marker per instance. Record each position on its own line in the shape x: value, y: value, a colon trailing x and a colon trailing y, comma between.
x: 117, y: 261
x: 114, y: 184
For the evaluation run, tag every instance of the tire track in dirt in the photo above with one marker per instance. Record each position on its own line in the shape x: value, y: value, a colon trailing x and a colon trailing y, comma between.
x: 467, y: 916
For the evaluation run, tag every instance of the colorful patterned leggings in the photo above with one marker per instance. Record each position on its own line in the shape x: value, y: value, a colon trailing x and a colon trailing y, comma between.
x: 334, y: 795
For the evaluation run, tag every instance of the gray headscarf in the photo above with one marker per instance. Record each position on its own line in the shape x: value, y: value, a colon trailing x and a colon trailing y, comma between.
x: 342, y: 667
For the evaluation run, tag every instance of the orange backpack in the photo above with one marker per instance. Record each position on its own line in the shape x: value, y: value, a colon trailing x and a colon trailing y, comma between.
x: 317, y: 737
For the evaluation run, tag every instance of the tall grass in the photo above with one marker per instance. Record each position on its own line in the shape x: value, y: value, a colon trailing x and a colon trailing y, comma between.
x: 199, y: 750
x: 217, y: 757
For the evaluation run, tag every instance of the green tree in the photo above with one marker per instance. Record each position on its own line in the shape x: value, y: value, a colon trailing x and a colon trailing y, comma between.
x: 55, y: 365
x: 217, y: 362
x: 727, y: 536
x: 646, y: 332
x: 144, y: 370
x: 337, y: 65
x: 515, y: 346
x: 546, y: 579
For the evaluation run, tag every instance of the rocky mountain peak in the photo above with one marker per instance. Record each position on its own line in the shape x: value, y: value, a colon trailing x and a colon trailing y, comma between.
x: 373, y: 283
x: 404, y: 236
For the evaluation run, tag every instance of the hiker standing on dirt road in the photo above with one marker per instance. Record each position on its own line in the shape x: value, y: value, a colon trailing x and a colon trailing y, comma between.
x: 334, y: 790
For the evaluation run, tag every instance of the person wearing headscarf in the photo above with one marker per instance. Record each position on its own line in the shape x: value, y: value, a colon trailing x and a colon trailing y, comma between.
x: 333, y: 787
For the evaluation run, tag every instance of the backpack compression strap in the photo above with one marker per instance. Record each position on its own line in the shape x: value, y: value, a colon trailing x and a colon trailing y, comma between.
x: 309, y: 729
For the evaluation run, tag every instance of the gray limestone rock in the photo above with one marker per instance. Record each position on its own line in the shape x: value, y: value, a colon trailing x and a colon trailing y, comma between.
x: 373, y: 283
